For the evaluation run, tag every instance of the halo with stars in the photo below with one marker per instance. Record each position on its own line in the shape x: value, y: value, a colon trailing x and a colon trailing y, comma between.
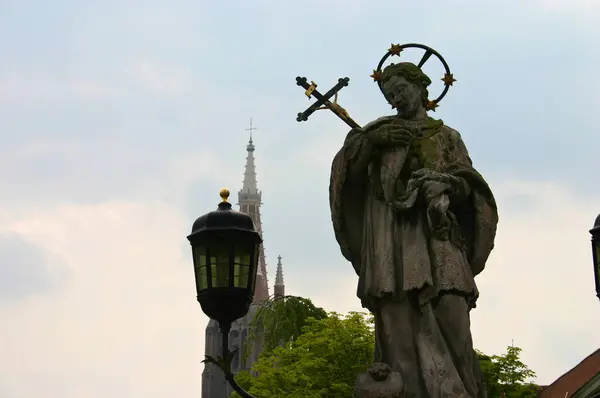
x: 396, y: 49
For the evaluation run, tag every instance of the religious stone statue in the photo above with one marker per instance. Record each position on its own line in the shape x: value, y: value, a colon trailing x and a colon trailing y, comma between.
x: 418, y: 223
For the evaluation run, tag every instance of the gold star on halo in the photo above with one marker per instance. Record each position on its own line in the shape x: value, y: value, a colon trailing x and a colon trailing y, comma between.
x: 395, y: 49
x: 376, y: 75
x: 431, y: 105
x: 448, y: 79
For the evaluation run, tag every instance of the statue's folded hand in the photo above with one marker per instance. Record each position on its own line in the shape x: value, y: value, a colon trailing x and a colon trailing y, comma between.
x: 399, y: 136
x: 434, y: 189
x: 390, y: 135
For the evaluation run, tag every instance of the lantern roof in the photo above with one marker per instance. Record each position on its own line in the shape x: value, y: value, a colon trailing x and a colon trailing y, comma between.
x: 595, y: 231
x: 223, y: 219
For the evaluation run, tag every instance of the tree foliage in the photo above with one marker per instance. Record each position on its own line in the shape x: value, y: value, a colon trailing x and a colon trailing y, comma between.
x: 506, y: 375
x: 309, y: 353
x: 280, y: 321
x: 323, y: 361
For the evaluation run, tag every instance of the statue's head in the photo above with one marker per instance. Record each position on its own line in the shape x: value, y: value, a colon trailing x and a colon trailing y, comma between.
x: 405, y: 87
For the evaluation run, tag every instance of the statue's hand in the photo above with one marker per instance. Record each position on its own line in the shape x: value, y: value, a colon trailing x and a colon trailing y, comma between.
x: 356, y: 130
x: 399, y: 136
x: 433, y: 189
x: 390, y: 135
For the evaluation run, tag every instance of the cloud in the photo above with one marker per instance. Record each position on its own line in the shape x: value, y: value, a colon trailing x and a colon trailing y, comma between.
x: 26, y: 270
x: 18, y: 88
x: 132, y: 77
x: 128, y: 314
x: 161, y: 78
x: 586, y: 5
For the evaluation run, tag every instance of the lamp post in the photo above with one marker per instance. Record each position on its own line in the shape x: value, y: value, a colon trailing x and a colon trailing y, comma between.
x: 596, y: 253
x: 225, y: 248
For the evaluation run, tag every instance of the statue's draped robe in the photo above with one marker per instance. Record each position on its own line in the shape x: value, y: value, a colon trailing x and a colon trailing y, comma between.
x: 385, y: 230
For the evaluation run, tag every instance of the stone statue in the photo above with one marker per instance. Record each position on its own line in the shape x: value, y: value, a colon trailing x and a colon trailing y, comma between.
x: 418, y: 223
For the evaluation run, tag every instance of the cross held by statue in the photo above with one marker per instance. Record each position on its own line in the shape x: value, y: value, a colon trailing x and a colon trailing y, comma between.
x: 324, y: 101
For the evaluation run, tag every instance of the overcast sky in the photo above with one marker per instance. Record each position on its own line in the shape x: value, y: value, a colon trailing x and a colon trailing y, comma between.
x: 120, y: 120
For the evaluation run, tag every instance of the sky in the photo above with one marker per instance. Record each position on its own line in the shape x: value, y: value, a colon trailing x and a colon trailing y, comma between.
x: 120, y: 121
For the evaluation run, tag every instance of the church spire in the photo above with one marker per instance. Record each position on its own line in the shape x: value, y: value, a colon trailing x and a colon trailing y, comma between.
x: 279, y: 285
x: 250, y: 129
x: 249, y: 201
x: 250, y: 186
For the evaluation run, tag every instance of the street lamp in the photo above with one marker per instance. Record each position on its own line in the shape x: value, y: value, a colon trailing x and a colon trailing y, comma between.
x: 225, y: 248
x: 596, y: 253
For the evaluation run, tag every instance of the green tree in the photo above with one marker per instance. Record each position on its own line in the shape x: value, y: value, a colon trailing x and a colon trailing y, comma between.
x: 279, y: 321
x: 506, y: 375
x: 323, y: 361
x: 309, y: 353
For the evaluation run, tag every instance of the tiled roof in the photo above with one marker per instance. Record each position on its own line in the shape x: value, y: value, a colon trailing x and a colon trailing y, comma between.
x: 567, y: 384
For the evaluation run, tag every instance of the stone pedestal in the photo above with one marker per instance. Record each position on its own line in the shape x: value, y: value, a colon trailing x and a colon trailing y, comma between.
x: 379, y: 382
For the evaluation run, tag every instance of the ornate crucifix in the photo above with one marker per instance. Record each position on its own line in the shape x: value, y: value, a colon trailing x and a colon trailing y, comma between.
x: 324, y: 102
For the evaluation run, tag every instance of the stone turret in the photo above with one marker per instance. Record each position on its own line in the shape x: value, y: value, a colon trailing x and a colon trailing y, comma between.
x: 279, y: 288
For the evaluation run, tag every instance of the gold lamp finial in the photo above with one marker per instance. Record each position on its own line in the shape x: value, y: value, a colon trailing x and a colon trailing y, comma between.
x: 224, y: 194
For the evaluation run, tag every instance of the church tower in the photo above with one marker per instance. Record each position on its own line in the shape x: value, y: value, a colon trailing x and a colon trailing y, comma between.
x: 214, y: 384
x: 249, y: 201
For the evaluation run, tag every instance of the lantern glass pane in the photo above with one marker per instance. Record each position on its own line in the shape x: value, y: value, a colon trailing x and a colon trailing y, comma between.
x: 241, y: 276
x: 219, y: 265
x: 242, y: 265
x: 199, y: 256
x: 243, y: 254
x: 200, y: 269
x: 201, y: 278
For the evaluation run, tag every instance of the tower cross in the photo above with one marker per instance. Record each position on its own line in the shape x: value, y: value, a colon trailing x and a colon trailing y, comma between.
x: 250, y: 129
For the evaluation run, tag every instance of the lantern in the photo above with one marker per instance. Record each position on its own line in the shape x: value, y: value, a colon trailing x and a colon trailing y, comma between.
x: 225, y: 248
